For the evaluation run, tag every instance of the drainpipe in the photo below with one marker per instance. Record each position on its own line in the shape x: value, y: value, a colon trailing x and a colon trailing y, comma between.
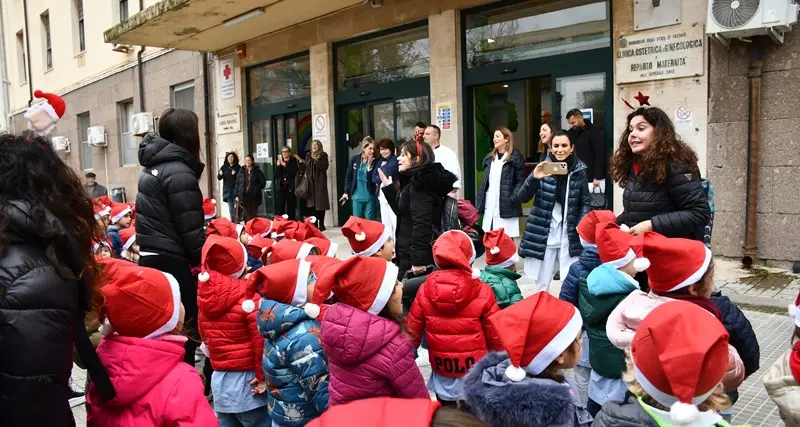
x: 207, y: 111
x: 141, y: 71
x: 753, y: 142
x: 28, y: 48
x: 4, y: 76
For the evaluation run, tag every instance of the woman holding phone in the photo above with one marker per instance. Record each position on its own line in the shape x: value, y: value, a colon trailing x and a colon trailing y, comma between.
x: 561, y: 188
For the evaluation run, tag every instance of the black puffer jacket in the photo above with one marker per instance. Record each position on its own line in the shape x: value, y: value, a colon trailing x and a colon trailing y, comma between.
x: 511, y: 178
x: 38, y: 314
x: 419, y: 209
x: 677, y: 208
x: 742, y: 336
x: 257, y: 183
x: 537, y: 227
x: 169, y: 206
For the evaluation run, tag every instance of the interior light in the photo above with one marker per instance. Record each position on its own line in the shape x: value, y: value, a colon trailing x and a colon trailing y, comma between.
x: 243, y: 17
x: 505, y: 85
x: 490, y: 40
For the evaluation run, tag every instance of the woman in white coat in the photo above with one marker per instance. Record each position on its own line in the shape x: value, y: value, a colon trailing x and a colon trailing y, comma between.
x: 503, y: 174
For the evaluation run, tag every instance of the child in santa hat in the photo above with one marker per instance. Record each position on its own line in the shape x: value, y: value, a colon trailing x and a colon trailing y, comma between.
x: 369, y: 238
x: 102, y: 249
x: 290, y: 249
x: 501, y: 267
x: 257, y: 248
x: 130, y: 250
x: 452, y: 308
x: 120, y: 219
x: 305, y: 230
x: 227, y: 323
x: 143, y: 353
x: 525, y: 386
x: 293, y: 359
x: 679, y: 356
x: 281, y: 227
x: 362, y: 334
x: 209, y: 209
x: 387, y: 411
x: 782, y: 380
x: 325, y: 246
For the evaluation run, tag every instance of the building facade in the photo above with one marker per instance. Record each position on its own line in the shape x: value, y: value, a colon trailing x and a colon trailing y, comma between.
x: 288, y: 72
x: 58, y: 47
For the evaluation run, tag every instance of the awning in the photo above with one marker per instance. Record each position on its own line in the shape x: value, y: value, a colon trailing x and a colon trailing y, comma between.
x: 213, y: 25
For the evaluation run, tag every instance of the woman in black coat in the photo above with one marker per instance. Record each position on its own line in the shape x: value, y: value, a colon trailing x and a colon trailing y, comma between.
x: 316, y: 163
x: 249, y: 184
x: 285, y: 174
x: 228, y: 174
x: 423, y: 186
x: 169, y: 208
x: 503, y: 174
x: 47, y: 283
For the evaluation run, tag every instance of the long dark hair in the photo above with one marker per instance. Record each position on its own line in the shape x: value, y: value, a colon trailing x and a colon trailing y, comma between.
x: 414, y: 148
x: 32, y: 172
x: 235, y: 157
x: 180, y: 126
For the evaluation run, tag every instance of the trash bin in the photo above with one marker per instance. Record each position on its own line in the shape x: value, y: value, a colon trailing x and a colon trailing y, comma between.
x: 118, y: 195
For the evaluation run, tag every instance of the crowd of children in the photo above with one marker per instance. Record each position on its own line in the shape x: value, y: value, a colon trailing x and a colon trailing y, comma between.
x: 298, y: 337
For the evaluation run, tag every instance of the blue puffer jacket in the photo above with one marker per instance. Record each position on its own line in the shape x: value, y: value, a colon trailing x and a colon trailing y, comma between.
x: 294, y: 365
x: 588, y: 261
x: 116, y: 240
x: 537, y: 227
x: 742, y: 336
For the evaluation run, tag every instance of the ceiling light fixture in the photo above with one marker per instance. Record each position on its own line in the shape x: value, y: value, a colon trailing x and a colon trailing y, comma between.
x: 505, y: 85
x: 243, y: 17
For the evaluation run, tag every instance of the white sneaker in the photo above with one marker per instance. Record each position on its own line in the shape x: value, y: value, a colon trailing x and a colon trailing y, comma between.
x: 76, y: 397
x: 422, y: 357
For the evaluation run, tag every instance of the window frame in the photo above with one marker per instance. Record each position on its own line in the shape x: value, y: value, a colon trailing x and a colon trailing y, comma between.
x: 81, y: 45
x: 181, y: 87
x: 83, y: 136
x: 47, y: 40
x: 22, y: 57
x: 123, y: 10
x: 125, y: 114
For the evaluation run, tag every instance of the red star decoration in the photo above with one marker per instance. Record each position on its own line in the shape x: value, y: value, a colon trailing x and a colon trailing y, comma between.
x: 643, y: 99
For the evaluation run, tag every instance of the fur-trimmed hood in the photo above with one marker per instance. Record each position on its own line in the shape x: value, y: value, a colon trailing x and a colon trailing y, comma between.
x: 432, y: 177
x: 533, y: 402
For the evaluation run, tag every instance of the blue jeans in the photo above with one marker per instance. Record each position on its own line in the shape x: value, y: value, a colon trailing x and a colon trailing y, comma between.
x: 228, y: 193
x: 365, y: 209
x: 258, y: 417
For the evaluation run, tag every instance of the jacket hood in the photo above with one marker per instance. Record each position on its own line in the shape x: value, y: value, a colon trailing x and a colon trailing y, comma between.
x: 516, y: 159
x: 155, y: 150
x: 216, y: 296
x: 136, y: 365
x: 504, y: 272
x: 532, y: 402
x: 449, y: 291
x: 432, y: 177
x: 627, y: 414
x: 354, y: 334
x: 275, y: 318
x: 590, y: 258
x: 607, y: 280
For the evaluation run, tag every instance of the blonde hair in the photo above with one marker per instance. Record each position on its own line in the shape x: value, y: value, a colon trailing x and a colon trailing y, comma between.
x: 509, y: 140
x: 718, y: 401
x: 367, y: 141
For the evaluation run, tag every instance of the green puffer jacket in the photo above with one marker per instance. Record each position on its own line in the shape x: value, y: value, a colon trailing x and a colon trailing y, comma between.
x: 504, y: 284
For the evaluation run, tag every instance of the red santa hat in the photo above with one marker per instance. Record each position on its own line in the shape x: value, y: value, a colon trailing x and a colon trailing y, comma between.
x: 103, y: 200
x: 614, y: 247
x: 286, y: 283
x: 306, y: 230
x: 535, y: 332
x: 454, y: 250
x: 500, y: 249
x: 225, y: 228
x: 366, y: 237
x: 100, y: 244
x: 128, y: 236
x: 132, y: 205
x: 118, y: 211
x: 365, y: 283
x: 680, y: 355
x: 258, y: 245
x: 225, y: 256
x: 101, y: 210
x: 587, y: 228
x: 320, y: 263
x: 794, y: 310
x: 209, y: 208
x: 676, y: 263
x: 380, y: 412
x: 280, y: 225
x: 289, y: 249
x: 43, y: 117
x: 140, y: 302
x: 258, y: 227
x: 325, y: 246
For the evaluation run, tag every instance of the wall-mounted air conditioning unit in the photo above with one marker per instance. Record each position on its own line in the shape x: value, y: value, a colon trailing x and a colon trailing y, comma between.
x: 61, y: 143
x: 731, y: 19
x: 97, y: 136
x: 122, y: 48
x: 142, y: 123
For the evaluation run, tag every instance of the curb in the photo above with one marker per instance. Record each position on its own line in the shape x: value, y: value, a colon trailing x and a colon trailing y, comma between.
x: 757, y: 301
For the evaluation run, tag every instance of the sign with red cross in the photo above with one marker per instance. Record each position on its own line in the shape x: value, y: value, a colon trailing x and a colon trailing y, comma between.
x: 227, y: 80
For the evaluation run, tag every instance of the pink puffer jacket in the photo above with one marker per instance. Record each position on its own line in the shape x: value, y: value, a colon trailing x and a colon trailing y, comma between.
x: 368, y: 356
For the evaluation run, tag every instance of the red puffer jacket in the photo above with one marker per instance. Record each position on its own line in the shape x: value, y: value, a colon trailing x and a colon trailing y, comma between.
x: 230, y: 334
x: 453, y: 309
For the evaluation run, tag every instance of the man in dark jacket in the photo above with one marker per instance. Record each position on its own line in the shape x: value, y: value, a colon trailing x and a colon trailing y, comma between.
x: 93, y: 188
x: 589, y: 146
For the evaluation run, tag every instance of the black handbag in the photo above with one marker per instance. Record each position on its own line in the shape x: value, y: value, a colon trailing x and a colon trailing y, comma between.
x: 597, y: 199
x: 303, y: 188
x: 411, y: 284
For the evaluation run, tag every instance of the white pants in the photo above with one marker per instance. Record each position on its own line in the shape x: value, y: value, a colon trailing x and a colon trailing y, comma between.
x: 388, y: 218
x: 541, y: 271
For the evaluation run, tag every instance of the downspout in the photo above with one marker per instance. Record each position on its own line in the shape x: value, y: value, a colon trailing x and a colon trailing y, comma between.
x: 4, y: 77
x: 28, y: 48
x: 207, y: 111
x: 753, y: 159
x: 141, y: 71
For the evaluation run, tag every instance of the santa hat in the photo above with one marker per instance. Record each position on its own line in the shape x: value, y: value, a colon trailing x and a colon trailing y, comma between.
x: 614, y: 247
x: 365, y: 283
x: 306, y: 230
x: 380, y: 412
x: 366, y: 237
x: 258, y: 227
x: 103, y: 200
x: 454, y: 250
x: 325, y: 246
x: 535, y: 332
x: 118, y: 211
x: 500, y: 249
x: 587, y: 227
x: 128, y: 236
x: 43, y: 117
x: 320, y: 263
x: 286, y: 283
x: 680, y: 355
x: 100, y: 244
x: 289, y: 249
x: 225, y: 228
x: 209, y: 208
x: 794, y: 310
x: 101, y: 210
x: 225, y: 256
x: 258, y: 245
x: 140, y: 302
x: 676, y: 263
x: 280, y: 225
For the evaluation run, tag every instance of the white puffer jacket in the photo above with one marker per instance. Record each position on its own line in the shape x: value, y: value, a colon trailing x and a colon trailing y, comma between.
x: 784, y: 390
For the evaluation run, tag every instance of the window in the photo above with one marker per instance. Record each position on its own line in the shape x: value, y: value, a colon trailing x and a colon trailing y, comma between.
x: 127, y: 142
x: 83, y: 134
x: 183, y: 96
x: 279, y: 81
x: 48, y: 47
x: 123, y: 10
x: 80, y: 36
x: 22, y: 59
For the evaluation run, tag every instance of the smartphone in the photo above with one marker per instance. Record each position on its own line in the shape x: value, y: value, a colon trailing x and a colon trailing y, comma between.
x: 555, y: 168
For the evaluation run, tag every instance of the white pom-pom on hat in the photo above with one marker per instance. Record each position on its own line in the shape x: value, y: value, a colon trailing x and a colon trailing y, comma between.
x: 494, y: 251
x: 285, y: 216
x: 793, y: 310
x: 106, y: 329
x: 248, y: 306
x: 312, y: 219
x: 641, y: 264
x: 312, y: 310
x: 476, y: 274
x: 625, y: 228
x: 361, y: 236
x: 515, y: 374
x: 683, y: 413
x: 213, y: 201
x: 203, y: 277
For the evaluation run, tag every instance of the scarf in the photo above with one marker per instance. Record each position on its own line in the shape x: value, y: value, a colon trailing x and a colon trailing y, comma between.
x: 315, y: 154
x: 794, y: 361
x: 637, y: 167
x: 561, y: 183
x: 705, y: 303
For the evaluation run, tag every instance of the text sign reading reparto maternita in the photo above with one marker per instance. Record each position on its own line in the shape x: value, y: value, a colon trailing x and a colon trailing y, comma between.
x: 661, y: 54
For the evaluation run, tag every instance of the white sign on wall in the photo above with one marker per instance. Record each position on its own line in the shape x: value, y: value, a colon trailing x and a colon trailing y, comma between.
x: 661, y: 54
x: 683, y: 118
x: 227, y: 81
x: 262, y: 151
x: 320, y: 127
x: 228, y: 121
x: 444, y: 116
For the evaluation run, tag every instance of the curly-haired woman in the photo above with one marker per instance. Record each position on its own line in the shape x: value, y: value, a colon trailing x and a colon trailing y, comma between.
x: 659, y: 172
x: 47, y: 281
